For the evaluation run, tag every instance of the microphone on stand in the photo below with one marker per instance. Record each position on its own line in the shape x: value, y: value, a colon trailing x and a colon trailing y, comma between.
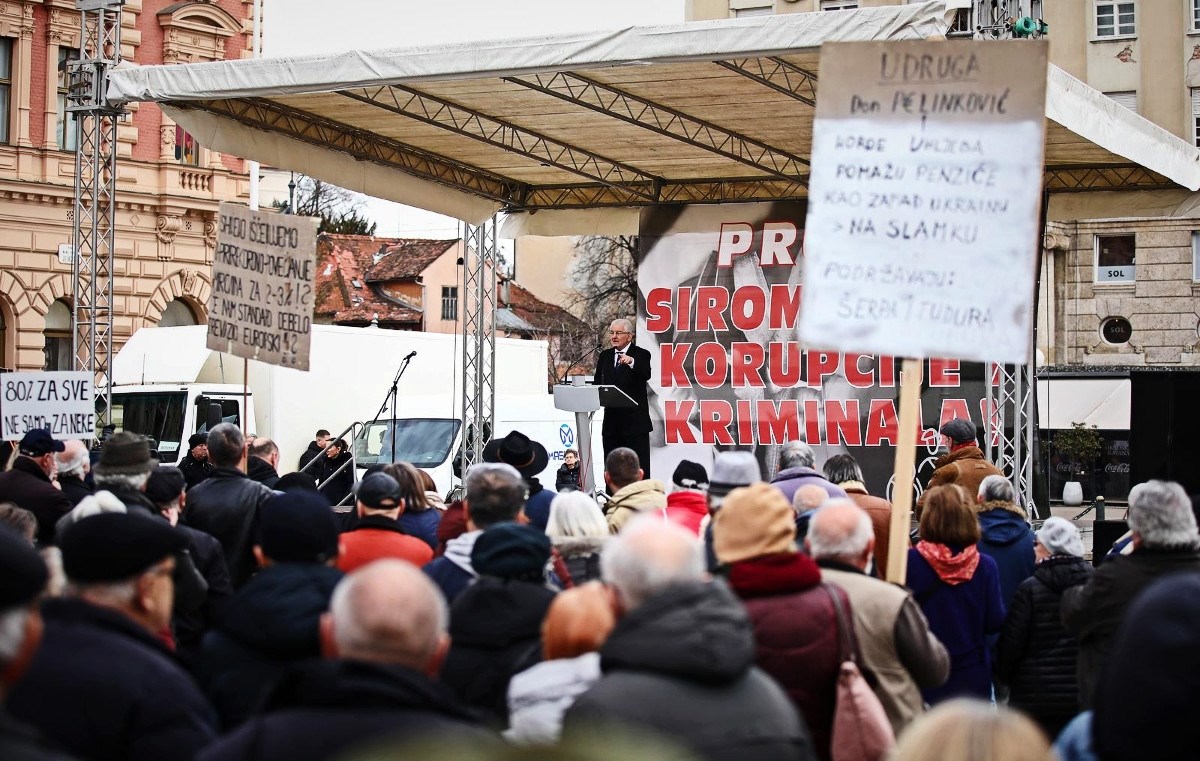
x: 411, y: 354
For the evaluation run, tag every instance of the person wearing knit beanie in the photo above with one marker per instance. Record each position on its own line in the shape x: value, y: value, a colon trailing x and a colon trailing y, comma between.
x: 794, y: 618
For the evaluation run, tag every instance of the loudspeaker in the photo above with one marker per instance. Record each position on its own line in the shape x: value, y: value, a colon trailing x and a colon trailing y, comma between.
x: 1163, y: 444
x: 1104, y: 536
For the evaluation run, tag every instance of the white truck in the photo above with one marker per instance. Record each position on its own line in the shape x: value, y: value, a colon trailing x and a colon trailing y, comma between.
x: 165, y: 380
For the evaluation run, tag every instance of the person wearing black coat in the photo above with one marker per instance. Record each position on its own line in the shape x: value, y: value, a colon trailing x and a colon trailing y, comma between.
x: 496, y: 623
x: 1035, y: 656
x: 28, y: 484
x: 273, y: 622
x: 195, y: 464
x: 627, y: 367
x: 334, y: 487
x: 103, y: 685
x: 227, y: 504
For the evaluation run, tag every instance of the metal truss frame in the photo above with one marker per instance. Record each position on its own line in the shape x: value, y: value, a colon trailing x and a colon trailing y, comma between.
x: 513, y: 138
x: 666, y: 121
x: 93, y: 231
x: 1010, y: 407
x: 779, y: 75
x: 1072, y: 179
x: 478, y: 339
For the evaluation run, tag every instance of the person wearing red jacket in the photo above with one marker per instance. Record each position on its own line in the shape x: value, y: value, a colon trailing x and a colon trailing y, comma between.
x: 378, y: 533
x: 687, y: 504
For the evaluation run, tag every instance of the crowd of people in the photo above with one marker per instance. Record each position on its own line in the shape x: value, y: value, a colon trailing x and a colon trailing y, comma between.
x: 220, y: 610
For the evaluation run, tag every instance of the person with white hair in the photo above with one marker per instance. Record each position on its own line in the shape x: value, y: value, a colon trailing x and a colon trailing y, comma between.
x: 578, y: 531
x: 797, y: 467
x: 897, y: 645
x: 1165, y: 540
x: 1035, y: 656
x: 1004, y: 534
x: 385, y: 637
x: 681, y: 658
x: 627, y: 367
x: 74, y: 464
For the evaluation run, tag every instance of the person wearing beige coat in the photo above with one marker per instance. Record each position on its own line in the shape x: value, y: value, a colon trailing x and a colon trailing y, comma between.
x: 630, y: 493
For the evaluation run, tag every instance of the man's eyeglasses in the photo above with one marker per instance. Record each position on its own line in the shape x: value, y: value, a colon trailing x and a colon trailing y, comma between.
x: 618, y: 332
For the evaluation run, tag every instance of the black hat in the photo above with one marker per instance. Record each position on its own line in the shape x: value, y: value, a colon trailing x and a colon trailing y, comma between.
x: 959, y: 431
x: 296, y: 481
x: 38, y: 442
x: 124, y: 454
x: 520, y: 451
x: 511, y: 551
x: 22, y: 573
x: 298, y: 527
x: 116, y: 546
x: 165, y: 484
x: 377, y: 489
x: 690, y: 475
x: 196, y: 439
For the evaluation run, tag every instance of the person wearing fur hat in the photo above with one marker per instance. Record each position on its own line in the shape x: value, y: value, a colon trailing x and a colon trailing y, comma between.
x: 495, y: 624
x: 1035, y: 656
x: 687, y: 504
x: 1004, y: 533
x: 796, y: 628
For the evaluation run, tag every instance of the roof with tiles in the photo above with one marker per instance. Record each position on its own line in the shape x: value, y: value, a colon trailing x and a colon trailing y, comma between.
x: 541, y: 315
x: 347, y: 265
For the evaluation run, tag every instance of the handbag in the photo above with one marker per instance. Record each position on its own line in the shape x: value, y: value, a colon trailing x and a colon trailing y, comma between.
x: 861, y: 729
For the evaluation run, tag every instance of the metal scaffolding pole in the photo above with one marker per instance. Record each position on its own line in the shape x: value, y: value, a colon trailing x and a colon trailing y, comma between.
x: 94, y: 219
x: 479, y: 339
x: 1009, y: 428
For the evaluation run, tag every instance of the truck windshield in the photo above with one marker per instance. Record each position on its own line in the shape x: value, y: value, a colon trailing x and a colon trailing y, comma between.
x: 158, y: 415
x: 423, y: 442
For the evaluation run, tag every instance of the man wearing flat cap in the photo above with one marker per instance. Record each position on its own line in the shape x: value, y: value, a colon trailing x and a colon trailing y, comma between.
x: 377, y: 534
x: 29, y: 484
x: 964, y: 464
x: 23, y: 576
x: 103, y: 685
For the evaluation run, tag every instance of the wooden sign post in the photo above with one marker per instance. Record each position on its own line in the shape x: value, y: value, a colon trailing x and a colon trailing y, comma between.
x: 906, y: 459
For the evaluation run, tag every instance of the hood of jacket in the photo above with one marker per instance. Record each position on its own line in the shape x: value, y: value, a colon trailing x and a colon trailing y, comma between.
x: 572, y: 546
x: 691, y: 500
x: 694, y: 631
x: 312, y: 447
x: 769, y: 575
x: 1062, y: 572
x: 1002, y: 527
x: 495, y: 613
x: 458, y: 551
x: 347, y: 685
x: 278, y: 610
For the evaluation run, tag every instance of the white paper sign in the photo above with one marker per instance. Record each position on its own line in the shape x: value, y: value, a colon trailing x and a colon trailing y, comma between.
x: 61, y: 402
x: 262, y: 294
x: 924, y: 199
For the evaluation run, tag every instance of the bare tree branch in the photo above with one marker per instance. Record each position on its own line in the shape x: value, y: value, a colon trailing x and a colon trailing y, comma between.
x: 603, y: 277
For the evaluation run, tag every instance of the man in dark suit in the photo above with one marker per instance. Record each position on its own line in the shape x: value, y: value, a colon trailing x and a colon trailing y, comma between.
x: 628, y: 368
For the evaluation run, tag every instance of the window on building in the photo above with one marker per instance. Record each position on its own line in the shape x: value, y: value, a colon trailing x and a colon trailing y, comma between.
x: 1196, y: 257
x: 177, y: 312
x: 57, y: 337
x: 66, y: 121
x: 1196, y: 114
x: 187, y: 150
x: 1115, y: 255
x: 839, y: 5
x: 5, y: 366
x: 745, y: 8
x: 6, y: 51
x: 1126, y: 98
x: 1196, y: 15
x: 449, y: 302
x: 1115, y: 19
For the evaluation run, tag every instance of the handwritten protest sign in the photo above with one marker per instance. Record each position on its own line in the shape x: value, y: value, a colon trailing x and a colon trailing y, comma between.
x: 262, y: 293
x: 924, y: 199
x: 61, y: 402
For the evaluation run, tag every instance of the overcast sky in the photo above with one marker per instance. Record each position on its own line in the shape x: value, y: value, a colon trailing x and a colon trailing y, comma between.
x: 296, y: 27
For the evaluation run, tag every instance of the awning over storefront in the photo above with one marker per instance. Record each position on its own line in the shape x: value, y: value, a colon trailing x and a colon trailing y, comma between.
x: 1102, y: 402
x: 573, y: 134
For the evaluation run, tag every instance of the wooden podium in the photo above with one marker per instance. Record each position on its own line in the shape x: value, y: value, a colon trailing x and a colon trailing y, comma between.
x: 584, y: 399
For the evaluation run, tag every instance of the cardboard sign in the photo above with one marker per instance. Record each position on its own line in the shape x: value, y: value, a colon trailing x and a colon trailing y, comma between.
x: 924, y: 199
x: 262, y: 286
x: 62, y: 402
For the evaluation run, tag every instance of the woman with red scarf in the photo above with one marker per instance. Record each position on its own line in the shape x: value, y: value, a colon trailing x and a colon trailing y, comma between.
x: 958, y: 589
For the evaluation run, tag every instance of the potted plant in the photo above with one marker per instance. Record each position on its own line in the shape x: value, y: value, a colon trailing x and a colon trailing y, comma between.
x: 1080, y: 445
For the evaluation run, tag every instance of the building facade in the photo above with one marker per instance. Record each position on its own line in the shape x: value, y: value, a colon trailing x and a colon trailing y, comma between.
x: 168, y: 186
